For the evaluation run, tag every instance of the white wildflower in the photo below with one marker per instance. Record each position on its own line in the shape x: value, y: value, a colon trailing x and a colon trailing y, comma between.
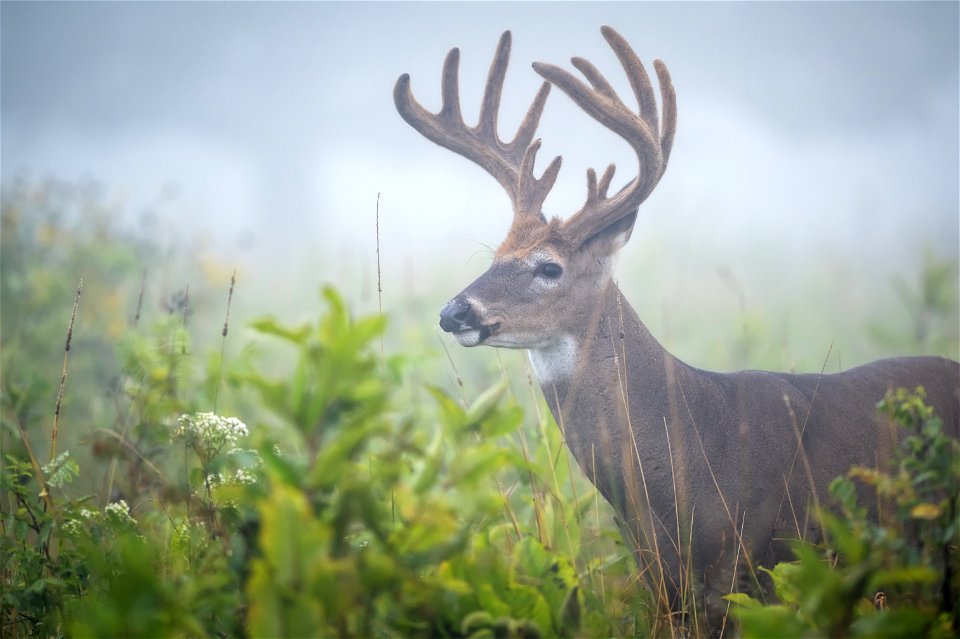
x: 244, y: 477
x: 119, y: 512
x: 72, y: 527
x: 240, y: 477
x: 208, y: 433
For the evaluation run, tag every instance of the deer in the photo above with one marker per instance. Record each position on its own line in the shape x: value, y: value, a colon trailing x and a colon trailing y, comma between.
x: 710, y: 474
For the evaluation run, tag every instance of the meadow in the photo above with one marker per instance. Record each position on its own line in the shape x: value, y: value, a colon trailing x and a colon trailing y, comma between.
x: 186, y: 455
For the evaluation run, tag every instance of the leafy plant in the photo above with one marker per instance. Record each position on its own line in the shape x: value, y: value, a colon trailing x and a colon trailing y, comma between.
x: 350, y: 516
x: 380, y: 528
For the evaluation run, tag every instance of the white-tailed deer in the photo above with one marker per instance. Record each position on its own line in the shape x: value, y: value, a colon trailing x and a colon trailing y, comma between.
x: 709, y: 473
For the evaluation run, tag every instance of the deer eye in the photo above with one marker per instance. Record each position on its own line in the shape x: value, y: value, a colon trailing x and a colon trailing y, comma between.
x: 550, y: 270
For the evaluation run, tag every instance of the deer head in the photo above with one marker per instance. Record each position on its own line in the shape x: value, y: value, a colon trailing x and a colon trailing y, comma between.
x: 547, y: 273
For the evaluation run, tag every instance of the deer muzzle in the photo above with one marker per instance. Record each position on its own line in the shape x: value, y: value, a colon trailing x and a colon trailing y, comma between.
x: 460, y: 318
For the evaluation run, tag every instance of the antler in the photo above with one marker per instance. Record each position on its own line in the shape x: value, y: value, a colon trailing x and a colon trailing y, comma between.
x: 643, y: 131
x: 510, y: 163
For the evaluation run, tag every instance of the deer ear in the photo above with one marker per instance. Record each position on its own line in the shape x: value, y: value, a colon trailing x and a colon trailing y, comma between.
x: 609, y: 239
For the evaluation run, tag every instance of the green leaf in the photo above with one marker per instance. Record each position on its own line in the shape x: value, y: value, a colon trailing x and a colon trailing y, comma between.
x: 270, y: 326
x: 62, y: 470
x: 526, y: 603
x: 771, y: 621
x: 490, y: 601
x: 475, y: 621
x: 555, y: 578
x: 487, y: 401
x: 452, y: 415
x: 503, y: 422
x: 743, y: 599
x: 900, y: 623
x: 785, y: 577
x: 341, y: 453
x: 844, y: 491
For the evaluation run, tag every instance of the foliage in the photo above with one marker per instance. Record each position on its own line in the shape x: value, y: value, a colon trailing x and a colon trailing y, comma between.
x: 347, y: 518
x: 53, y: 233
x: 896, y: 575
x: 378, y: 530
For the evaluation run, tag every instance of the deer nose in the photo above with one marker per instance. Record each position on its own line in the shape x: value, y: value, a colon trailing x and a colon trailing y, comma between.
x: 457, y: 315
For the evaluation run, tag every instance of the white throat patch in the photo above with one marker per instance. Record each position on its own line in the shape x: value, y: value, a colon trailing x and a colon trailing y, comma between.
x: 555, y: 362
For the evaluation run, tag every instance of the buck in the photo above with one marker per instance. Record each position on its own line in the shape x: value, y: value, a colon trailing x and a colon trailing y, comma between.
x: 710, y: 474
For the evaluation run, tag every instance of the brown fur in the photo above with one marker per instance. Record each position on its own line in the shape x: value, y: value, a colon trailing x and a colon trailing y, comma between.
x: 527, y: 234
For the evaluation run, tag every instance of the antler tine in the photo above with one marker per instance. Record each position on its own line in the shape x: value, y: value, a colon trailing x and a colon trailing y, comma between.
x: 637, y: 75
x: 668, y: 96
x: 511, y: 164
x: 450, y: 88
x: 641, y: 130
x: 490, y: 104
x: 600, y: 84
x: 534, y: 191
x: 528, y: 127
x: 605, y: 180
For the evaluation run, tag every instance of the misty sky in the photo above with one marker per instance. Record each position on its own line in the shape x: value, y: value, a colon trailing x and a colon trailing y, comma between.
x: 807, y: 125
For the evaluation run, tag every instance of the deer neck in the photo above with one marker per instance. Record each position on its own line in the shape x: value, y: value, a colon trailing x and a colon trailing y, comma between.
x: 609, y: 385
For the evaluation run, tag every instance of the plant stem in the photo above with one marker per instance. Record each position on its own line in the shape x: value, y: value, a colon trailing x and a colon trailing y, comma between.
x: 63, y: 375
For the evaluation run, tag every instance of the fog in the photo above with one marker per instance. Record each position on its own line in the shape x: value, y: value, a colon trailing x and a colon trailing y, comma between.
x: 806, y: 129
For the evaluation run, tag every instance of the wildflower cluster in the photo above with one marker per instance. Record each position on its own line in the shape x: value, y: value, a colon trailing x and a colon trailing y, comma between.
x: 240, y: 477
x: 115, y: 514
x: 73, y: 527
x: 222, y: 462
x: 209, y: 433
x: 119, y: 513
x: 189, y: 536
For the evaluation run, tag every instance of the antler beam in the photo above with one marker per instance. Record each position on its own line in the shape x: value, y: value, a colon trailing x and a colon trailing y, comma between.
x: 510, y: 163
x: 642, y: 130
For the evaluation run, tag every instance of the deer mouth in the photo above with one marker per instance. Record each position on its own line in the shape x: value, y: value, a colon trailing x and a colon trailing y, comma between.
x: 476, y: 336
x: 465, y: 319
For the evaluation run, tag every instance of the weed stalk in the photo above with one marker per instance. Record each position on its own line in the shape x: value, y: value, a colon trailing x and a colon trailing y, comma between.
x: 63, y: 374
x: 223, y: 340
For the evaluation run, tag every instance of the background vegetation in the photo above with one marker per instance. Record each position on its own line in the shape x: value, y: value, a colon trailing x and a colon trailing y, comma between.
x: 223, y: 465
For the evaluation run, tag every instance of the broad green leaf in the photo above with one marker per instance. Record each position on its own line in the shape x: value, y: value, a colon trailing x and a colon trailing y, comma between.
x: 785, y: 576
x: 474, y: 622
x: 486, y: 402
x: 554, y: 577
x: 491, y: 601
x: 743, y: 599
x: 526, y: 603
x: 270, y: 326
